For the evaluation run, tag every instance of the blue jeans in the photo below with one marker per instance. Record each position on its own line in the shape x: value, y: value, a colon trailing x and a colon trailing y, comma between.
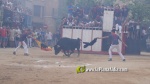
x: 4, y: 39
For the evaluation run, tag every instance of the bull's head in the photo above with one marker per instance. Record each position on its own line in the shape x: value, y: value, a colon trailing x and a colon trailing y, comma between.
x: 57, y: 49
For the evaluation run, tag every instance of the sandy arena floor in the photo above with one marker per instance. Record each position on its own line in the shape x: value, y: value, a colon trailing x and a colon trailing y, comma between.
x: 43, y: 67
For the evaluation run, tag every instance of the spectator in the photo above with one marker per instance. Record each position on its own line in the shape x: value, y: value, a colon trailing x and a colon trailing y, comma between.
x: 69, y: 22
x: 29, y: 39
x: 58, y: 35
x: 35, y: 36
x: 12, y: 37
x: 144, y: 37
x: 119, y: 25
x: 9, y: 5
x: 98, y: 21
x: 94, y: 12
x: 4, y: 34
x: 8, y: 36
x: 102, y: 12
x: 49, y: 38
x: 39, y: 35
x: 86, y: 11
x: 43, y: 33
x: 125, y: 11
x: 117, y: 12
x: 93, y: 17
x: 64, y: 21
x: 77, y: 21
x: 70, y: 10
x: 75, y: 12
x: 80, y: 12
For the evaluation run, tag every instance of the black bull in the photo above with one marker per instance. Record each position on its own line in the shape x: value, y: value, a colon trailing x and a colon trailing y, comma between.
x: 67, y: 45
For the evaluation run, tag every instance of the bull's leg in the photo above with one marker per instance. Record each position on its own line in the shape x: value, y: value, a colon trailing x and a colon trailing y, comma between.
x: 72, y: 51
x: 66, y: 53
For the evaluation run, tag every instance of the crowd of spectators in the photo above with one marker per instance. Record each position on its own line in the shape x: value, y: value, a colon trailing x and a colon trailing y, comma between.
x: 136, y: 32
x: 15, y: 6
x: 9, y: 37
x: 93, y: 16
x: 14, y: 13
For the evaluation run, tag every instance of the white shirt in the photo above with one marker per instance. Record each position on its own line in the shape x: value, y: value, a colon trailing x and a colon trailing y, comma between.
x: 144, y: 32
x: 49, y: 36
x: 18, y: 32
x: 12, y: 33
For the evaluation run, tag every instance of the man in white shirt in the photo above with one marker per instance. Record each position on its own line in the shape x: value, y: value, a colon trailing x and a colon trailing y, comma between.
x: 144, y: 37
x: 12, y: 37
x: 49, y: 38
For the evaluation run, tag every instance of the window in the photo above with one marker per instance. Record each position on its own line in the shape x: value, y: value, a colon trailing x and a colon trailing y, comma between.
x: 42, y: 11
x: 37, y: 10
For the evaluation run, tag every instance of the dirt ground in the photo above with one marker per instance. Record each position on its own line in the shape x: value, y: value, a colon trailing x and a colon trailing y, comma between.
x: 43, y: 67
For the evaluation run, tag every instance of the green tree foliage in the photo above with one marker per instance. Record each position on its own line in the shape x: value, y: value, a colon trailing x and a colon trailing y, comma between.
x: 140, y: 10
x: 70, y: 1
x: 85, y: 3
x: 109, y: 2
x: 90, y: 3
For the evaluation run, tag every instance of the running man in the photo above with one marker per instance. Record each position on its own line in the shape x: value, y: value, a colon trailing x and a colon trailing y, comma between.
x: 22, y: 42
x: 114, y: 38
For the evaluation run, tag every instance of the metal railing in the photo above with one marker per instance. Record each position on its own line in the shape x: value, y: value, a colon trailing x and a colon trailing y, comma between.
x: 85, y: 28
